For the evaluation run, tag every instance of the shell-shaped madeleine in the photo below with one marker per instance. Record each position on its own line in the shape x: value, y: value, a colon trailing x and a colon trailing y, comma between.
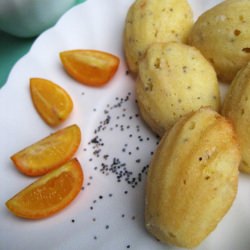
x: 151, y: 21
x: 192, y: 180
x: 236, y: 107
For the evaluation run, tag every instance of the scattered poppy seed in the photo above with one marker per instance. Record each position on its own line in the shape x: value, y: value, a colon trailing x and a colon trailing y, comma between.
x: 117, y: 122
x: 105, y: 157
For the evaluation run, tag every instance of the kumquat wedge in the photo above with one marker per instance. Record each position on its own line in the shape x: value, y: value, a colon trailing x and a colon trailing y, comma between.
x: 50, y: 193
x: 51, y: 101
x: 90, y: 67
x: 48, y: 153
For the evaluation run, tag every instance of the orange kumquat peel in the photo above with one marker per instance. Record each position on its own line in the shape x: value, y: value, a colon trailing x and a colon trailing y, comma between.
x: 51, y: 101
x: 90, y: 67
x: 48, y: 153
x: 50, y: 193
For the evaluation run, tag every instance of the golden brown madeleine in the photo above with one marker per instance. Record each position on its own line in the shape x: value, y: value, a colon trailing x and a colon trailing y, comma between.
x: 173, y: 80
x: 192, y: 180
x: 236, y: 107
x: 151, y: 21
x: 222, y: 34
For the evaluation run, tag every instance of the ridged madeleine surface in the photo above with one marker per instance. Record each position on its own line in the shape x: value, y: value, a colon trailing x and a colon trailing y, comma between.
x: 192, y: 180
x: 151, y: 21
x: 236, y: 107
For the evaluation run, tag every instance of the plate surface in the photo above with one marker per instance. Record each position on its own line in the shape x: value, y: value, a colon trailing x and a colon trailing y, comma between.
x: 115, y: 151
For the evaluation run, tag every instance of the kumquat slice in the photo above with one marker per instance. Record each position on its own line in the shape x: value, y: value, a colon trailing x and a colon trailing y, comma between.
x: 90, y: 67
x: 49, y: 152
x: 51, y: 101
x: 50, y: 193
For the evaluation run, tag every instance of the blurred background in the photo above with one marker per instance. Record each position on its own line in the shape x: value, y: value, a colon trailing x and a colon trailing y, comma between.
x: 16, y: 38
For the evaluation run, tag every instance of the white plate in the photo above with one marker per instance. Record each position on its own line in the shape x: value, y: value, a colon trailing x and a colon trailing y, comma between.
x: 108, y: 213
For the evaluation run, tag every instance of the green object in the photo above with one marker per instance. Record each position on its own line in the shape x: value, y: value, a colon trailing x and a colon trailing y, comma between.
x: 11, y: 50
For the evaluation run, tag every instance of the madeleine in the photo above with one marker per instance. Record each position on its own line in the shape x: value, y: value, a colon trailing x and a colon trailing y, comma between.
x: 192, y: 180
